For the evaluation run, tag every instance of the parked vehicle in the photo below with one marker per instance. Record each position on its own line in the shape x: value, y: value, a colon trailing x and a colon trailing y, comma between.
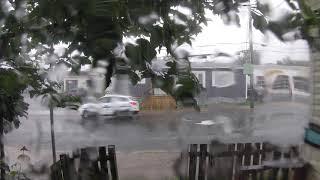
x: 110, y: 106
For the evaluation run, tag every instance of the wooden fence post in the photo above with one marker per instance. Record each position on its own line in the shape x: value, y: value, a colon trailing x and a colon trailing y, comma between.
x: 55, y: 171
x: 300, y: 173
x: 193, y: 161
x: 221, y: 162
x: 247, y: 158
x: 240, y: 148
x: 103, y: 163
x: 274, y: 172
x: 210, y: 173
x: 84, y: 165
x: 202, y: 162
x: 285, y: 171
x: 113, y: 162
x: 256, y: 159
x: 53, y: 175
x: 232, y: 149
x: 263, y: 158
x: 64, y: 159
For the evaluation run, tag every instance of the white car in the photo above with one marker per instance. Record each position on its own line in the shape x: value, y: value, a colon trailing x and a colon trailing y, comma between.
x: 110, y: 105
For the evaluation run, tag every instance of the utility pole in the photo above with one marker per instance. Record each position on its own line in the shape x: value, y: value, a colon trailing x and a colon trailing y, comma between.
x: 53, y: 142
x: 251, y: 58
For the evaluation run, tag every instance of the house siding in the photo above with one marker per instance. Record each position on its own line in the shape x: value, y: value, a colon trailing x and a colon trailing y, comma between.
x: 98, y: 82
x: 233, y: 93
x: 141, y: 90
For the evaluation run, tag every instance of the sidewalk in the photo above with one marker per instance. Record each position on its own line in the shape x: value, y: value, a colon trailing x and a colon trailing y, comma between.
x: 140, y: 165
x: 147, y: 165
x: 56, y: 112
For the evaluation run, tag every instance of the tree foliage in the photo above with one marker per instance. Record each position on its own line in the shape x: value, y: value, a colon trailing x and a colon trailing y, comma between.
x: 12, y: 103
x: 97, y: 29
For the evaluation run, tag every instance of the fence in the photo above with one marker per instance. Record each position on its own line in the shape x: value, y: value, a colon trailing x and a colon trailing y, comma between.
x: 88, y: 163
x: 159, y: 103
x: 254, y: 161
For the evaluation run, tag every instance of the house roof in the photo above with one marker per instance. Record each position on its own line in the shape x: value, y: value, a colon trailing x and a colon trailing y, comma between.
x: 214, y: 65
x: 276, y: 66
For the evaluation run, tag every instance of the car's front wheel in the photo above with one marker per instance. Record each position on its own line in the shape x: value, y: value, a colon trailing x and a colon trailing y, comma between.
x: 85, y: 115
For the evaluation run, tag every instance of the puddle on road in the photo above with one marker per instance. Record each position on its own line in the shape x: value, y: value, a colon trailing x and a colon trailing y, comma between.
x: 207, y: 123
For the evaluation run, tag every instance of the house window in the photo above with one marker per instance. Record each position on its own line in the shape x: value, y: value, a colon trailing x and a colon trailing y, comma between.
x: 260, y: 81
x: 201, y: 77
x: 301, y: 83
x: 119, y: 99
x: 281, y: 82
x: 71, y: 85
x: 223, y: 78
x: 105, y: 100
x: 142, y: 81
x: 89, y: 83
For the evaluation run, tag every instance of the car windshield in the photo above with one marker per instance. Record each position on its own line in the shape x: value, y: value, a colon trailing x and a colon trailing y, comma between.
x: 105, y: 99
x: 160, y: 89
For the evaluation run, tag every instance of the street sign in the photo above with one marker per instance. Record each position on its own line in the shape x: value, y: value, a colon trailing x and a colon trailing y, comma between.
x: 247, y: 69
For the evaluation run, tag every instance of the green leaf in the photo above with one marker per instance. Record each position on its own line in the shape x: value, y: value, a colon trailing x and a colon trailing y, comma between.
x: 140, y: 54
x: 13, y: 173
x: 134, y: 77
x: 146, y: 50
x: 156, y: 39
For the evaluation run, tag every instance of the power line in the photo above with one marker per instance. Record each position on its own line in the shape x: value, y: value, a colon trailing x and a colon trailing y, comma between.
x: 264, y: 46
x: 209, y: 54
x: 284, y: 51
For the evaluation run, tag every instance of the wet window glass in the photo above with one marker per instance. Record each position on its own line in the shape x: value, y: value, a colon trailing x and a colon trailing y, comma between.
x: 301, y: 83
x: 201, y: 77
x: 155, y: 89
x: 281, y: 82
x: 119, y: 99
x: 222, y: 78
x: 71, y: 85
x: 260, y: 81
x: 105, y: 100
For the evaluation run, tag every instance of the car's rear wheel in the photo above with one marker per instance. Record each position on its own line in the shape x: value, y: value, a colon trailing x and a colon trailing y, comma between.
x: 134, y: 115
x: 85, y: 115
x: 88, y: 114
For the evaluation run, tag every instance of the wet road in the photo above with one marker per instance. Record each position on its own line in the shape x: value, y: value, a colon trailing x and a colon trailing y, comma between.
x: 280, y: 123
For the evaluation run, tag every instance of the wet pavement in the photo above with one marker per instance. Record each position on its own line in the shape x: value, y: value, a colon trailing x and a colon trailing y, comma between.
x: 154, y: 140
x: 279, y: 122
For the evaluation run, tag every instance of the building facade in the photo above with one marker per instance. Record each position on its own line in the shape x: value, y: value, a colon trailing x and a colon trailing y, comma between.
x: 311, y: 152
x: 282, y: 82
x: 89, y: 82
x: 220, y: 83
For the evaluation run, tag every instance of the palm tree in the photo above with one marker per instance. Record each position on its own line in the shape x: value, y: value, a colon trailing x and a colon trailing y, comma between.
x: 51, y: 98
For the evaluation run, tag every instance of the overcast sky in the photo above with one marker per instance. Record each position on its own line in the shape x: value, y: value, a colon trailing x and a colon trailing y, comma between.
x: 218, y: 37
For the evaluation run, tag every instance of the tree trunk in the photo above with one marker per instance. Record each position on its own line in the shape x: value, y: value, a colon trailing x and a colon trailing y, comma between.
x: 3, y: 172
x: 54, y: 157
